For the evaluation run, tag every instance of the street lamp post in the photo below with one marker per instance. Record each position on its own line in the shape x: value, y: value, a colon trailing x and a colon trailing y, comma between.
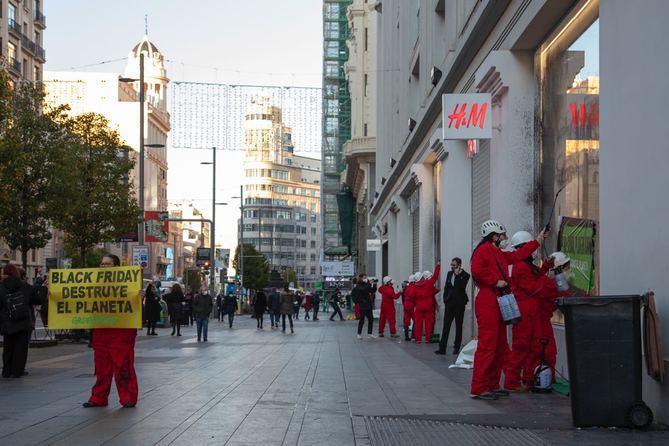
x: 212, y: 252
x: 241, y: 234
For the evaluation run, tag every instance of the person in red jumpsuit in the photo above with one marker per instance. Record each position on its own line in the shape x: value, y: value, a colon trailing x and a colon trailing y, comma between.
x: 424, y: 312
x: 528, y: 285
x: 489, y: 268
x: 388, y: 297
x: 408, y: 304
x: 543, y: 327
x: 114, y: 356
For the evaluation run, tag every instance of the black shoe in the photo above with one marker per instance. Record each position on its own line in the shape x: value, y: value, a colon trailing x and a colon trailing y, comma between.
x: 489, y: 396
x: 205, y: 339
x: 154, y: 334
x: 90, y: 404
x: 129, y: 405
x: 440, y: 352
x: 456, y: 351
x: 501, y: 392
x: 172, y: 334
x: 380, y: 335
x: 199, y: 340
x: 178, y: 334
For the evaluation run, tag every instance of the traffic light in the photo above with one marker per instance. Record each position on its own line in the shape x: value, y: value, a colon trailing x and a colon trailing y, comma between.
x: 238, y: 277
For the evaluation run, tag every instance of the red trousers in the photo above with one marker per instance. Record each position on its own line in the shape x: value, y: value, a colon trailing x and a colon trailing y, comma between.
x: 114, y: 355
x: 408, y: 315
x: 356, y: 311
x: 518, y: 359
x: 387, y: 314
x: 543, y: 329
x: 492, y: 347
x: 423, y: 320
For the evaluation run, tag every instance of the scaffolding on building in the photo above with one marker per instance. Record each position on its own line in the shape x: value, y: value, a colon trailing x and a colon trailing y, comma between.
x: 336, y: 117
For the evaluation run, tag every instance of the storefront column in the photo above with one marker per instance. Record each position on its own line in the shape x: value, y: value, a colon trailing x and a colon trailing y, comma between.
x: 399, y: 264
x: 423, y: 173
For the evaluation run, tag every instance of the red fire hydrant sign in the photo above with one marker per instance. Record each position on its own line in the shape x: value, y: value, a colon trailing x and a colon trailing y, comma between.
x: 467, y: 116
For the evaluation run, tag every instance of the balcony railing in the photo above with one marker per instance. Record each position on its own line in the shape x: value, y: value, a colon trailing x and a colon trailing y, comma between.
x: 15, y: 65
x: 14, y: 27
x: 33, y: 47
x: 40, y: 19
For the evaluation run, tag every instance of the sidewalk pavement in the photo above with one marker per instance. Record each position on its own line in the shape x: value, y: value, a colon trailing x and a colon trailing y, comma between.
x: 319, y: 386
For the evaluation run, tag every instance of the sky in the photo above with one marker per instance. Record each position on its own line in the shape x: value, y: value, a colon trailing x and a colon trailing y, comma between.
x: 253, y: 42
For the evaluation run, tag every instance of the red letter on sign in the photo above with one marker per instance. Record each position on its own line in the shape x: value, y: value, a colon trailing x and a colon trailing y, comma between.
x: 457, y: 116
x: 477, y: 119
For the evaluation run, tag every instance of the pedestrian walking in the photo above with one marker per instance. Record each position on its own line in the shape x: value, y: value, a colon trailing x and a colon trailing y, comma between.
x: 274, y: 306
x: 334, y: 302
x: 114, y: 357
x: 425, y: 308
x: 259, y: 307
x: 316, y: 302
x: 230, y: 306
x: 188, y: 307
x: 388, y: 297
x: 16, y: 320
x: 219, y: 306
x: 151, y: 309
x: 361, y: 296
x: 287, y: 305
x: 297, y: 303
x: 203, y: 304
x: 489, y: 268
x: 455, y: 301
x: 175, y: 303
x: 307, y: 307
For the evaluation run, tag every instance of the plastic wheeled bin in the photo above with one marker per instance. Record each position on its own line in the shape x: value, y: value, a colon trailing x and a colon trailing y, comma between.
x: 603, y: 336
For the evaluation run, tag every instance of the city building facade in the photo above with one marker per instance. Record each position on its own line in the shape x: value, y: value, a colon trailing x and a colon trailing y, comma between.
x: 360, y: 151
x: 281, y: 195
x: 539, y: 62
x: 107, y: 94
x: 22, y: 26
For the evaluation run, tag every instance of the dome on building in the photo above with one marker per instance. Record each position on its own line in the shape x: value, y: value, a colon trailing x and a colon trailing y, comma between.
x: 154, y: 62
x: 147, y: 46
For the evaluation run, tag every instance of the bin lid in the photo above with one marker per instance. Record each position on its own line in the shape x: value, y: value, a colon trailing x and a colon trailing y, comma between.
x: 596, y: 300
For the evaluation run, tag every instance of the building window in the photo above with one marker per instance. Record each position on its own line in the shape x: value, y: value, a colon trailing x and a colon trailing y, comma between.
x: 11, y: 52
x: 364, y: 129
x: 11, y: 14
x: 570, y: 129
x: 366, y: 84
x: 366, y: 39
x: 37, y: 74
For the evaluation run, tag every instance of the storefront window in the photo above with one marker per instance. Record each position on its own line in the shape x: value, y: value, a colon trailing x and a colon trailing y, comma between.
x: 570, y: 137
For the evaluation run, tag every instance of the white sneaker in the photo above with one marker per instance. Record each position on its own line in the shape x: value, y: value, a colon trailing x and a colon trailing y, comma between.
x: 359, y: 337
x: 372, y: 336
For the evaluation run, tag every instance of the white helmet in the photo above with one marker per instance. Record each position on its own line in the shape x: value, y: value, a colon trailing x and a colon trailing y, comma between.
x: 492, y: 227
x: 520, y: 238
x: 387, y: 280
x: 560, y: 259
x: 412, y: 278
x: 427, y: 275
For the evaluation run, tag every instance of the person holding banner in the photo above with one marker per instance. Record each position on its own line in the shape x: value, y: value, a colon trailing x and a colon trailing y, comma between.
x: 114, y: 356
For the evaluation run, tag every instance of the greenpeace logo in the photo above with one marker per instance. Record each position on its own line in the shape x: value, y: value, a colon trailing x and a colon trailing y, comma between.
x: 467, y: 116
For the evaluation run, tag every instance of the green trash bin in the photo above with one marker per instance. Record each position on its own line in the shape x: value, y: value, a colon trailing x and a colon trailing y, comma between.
x: 603, y: 336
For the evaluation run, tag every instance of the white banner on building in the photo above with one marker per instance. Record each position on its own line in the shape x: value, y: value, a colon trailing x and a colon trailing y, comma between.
x: 140, y: 256
x: 467, y: 116
x: 373, y: 244
x: 341, y: 269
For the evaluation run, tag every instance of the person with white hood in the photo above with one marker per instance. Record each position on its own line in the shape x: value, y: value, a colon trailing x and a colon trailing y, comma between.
x: 408, y: 303
x: 388, y: 297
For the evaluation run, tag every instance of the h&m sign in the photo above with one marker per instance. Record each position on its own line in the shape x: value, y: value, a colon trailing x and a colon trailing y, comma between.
x: 467, y: 116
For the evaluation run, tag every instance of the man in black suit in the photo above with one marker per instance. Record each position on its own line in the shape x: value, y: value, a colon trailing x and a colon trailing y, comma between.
x: 455, y: 301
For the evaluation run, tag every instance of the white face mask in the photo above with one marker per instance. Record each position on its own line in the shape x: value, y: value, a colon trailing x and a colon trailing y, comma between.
x: 504, y: 244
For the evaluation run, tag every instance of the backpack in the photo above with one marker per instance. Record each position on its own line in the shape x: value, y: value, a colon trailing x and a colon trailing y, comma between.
x: 16, y: 305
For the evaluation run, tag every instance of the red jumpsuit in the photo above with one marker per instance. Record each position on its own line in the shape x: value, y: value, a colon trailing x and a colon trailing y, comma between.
x: 528, y: 285
x: 114, y: 356
x: 424, y: 310
x: 543, y: 327
x: 409, y: 303
x: 388, y: 296
x: 489, y: 265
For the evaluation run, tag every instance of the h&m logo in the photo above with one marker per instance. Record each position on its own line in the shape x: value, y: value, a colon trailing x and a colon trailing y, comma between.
x: 476, y: 117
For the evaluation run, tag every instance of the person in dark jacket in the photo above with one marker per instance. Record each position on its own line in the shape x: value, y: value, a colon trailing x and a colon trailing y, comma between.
x: 316, y: 302
x: 230, y: 306
x: 287, y: 301
x: 151, y: 309
x: 188, y: 307
x: 297, y: 304
x: 202, y: 306
x: 274, y: 304
x: 259, y: 307
x: 361, y: 295
x: 219, y: 306
x: 455, y: 301
x: 334, y: 302
x: 175, y: 304
x: 16, y: 321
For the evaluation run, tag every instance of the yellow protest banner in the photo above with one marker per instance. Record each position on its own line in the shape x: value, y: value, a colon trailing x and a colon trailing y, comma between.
x: 95, y: 298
